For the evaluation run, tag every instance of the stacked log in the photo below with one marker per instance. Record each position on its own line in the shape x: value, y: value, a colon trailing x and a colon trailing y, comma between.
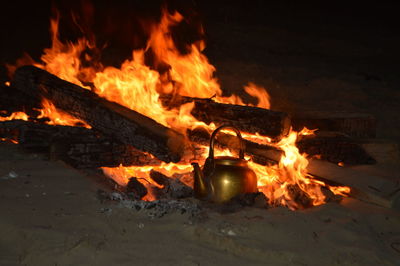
x: 121, y: 133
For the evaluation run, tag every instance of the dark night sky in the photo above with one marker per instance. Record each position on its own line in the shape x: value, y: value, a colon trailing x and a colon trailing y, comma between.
x: 25, y: 23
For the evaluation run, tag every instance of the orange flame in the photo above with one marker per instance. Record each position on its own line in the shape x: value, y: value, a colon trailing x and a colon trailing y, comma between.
x: 138, y: 87
x: 58, y: 117
x: 15, y: 115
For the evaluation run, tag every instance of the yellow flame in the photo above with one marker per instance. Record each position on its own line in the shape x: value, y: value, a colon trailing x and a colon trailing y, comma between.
x: 138, y: 87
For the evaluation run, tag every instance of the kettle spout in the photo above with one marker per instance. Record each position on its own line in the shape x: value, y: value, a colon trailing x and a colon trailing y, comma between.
x: 199, y: 186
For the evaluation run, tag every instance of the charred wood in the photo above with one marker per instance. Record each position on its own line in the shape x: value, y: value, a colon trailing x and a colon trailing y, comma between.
x: 301, y: 198
x: 248, y: 119
x: 172, y: 187
x: 112, y: 119
x: 135, y: 189
x: 79, y: 147
x: 353, y: 124
x: 335, y: 148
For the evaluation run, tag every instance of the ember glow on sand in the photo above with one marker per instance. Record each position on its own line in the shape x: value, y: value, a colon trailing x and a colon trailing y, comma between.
x: 138, y: 87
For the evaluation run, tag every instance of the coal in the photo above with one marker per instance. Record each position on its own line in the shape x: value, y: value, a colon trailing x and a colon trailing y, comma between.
x: 135, y: 189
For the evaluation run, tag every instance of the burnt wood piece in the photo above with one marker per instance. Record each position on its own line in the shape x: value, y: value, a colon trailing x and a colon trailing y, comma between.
x: 112, y: 119
x: 353, y: 124
x: 172, y: 187
x: 79, y: 147
x: 135, y: 189
x: 335, y: 148
x: 300, y: 197
x: 247, y: 119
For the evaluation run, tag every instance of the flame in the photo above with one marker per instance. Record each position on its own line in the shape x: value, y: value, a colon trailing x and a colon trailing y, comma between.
x: 15, y: 115
x: 260, y: 93
x: 190, y: 74
x: 58, y: 117
x: 63, y: 60
x: 291, y: 170
x: 139, y: 86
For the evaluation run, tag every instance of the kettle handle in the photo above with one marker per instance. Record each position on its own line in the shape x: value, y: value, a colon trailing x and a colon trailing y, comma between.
x: 212, y: 140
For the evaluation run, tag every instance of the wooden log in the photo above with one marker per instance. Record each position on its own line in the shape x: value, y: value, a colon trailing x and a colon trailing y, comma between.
x: 79, y: 147
x: 331, y: 147
x: 335, y: 148
x: 98, y: 152
x: 112, y: 119
x: 353, y: 124
x: 172, y: 187
x: 247, y: 119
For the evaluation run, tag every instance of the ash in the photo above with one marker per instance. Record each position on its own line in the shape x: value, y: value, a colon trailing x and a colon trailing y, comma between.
x: 156, y: 208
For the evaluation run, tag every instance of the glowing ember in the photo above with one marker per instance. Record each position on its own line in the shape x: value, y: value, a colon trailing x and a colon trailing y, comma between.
x: 138, y: 87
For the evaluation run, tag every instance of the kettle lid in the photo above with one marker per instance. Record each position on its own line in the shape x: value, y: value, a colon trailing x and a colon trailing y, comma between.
x: 228, y: 160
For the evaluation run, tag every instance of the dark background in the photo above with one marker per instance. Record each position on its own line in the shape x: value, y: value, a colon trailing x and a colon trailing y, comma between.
x: 329, y: 55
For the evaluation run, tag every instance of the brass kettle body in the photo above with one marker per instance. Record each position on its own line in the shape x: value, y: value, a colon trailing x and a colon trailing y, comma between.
x: 223, y: 177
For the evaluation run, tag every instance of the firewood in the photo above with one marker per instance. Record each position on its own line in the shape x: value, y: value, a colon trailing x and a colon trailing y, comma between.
x: 335, y: 148
x: 353, y: 124
x: 301, y: 198
x: 247, y: 119
x: 135, y: 189
x: 79, y: 147
x: 172, y: 187
x: 112, y: 119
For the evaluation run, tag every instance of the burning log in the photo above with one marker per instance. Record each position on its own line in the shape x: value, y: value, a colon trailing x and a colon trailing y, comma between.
x: 352, y: 124
x: 248, y: 119
x: 299, y: 196
x: 331, y: 147
x: 77, y: 146
x: 112, y: 119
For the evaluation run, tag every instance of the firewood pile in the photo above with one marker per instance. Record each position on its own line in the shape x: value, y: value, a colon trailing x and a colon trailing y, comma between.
x: 116, y: 135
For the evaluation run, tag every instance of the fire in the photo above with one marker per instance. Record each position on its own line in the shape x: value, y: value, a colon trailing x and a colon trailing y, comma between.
x: 63, y: 60
x: 58, y: 117
x: 139, y: 87
x: 14, y: 116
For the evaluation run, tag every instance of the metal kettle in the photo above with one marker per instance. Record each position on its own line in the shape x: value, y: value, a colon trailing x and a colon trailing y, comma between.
x: 223, y: 177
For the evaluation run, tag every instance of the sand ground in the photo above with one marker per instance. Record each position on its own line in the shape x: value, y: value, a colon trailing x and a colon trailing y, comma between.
x: 50, y: 215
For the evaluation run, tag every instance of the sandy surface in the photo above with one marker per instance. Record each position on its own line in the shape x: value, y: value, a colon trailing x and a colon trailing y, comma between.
x: 50, y: 215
